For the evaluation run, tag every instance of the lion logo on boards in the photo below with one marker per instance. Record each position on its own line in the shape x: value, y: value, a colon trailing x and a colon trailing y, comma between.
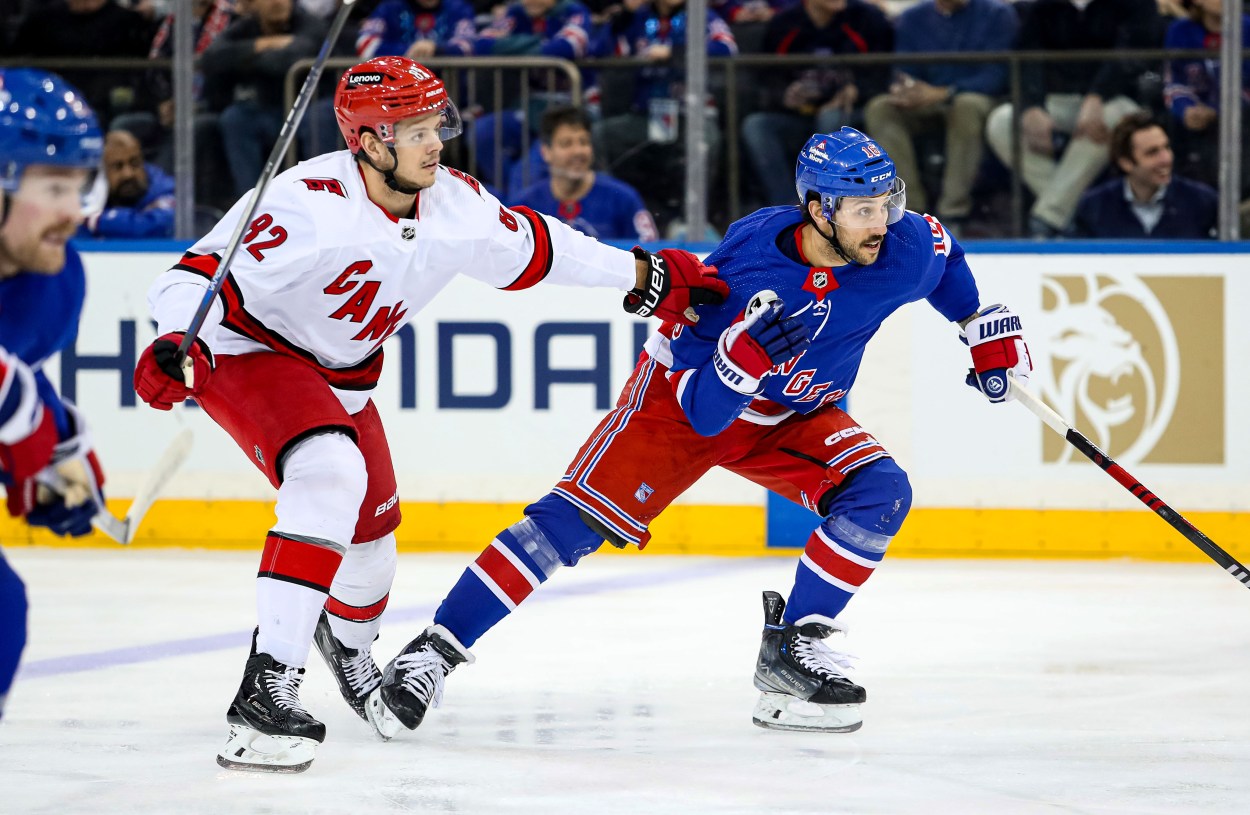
x: 1118, y: 346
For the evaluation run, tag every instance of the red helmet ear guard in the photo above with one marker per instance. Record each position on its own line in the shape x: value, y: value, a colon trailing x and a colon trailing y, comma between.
x: 378, y: 93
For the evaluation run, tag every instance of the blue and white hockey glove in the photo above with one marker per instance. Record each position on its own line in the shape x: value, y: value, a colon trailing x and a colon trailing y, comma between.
x: 994, y: 337
x: 762, y: 338
x: 70, y: 491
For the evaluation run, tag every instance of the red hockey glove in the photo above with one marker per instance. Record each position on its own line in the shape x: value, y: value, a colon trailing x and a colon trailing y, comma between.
x: 159, y: 378
x: 765, y: 337
x: 997, y: 348
x: 676, y: 283
x: 22, y: 460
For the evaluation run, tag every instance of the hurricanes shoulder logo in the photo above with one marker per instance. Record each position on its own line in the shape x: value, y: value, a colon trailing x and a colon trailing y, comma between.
x: 1118, y: 344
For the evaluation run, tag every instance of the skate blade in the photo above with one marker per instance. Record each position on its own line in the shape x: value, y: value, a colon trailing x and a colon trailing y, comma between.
x: 779, y: 711
x: 385, y: 724
x: 252, y: 751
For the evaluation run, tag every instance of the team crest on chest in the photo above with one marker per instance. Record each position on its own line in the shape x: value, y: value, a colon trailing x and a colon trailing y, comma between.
x: 820, y: 281
x: 408, y: 232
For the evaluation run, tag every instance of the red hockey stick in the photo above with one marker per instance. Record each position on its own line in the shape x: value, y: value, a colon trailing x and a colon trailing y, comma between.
x: 1177, y: 521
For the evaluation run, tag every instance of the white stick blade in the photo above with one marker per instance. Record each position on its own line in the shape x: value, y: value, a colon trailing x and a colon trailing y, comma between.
x: 158, y: 478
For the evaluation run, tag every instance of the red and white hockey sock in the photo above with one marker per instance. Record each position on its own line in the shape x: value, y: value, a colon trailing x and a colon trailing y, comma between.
x: 291, y: 588
x: 360, y: 591
x: 832, y: 569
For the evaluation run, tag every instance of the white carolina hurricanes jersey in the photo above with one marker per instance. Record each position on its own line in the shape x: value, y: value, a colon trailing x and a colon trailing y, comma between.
x: 325, y: 275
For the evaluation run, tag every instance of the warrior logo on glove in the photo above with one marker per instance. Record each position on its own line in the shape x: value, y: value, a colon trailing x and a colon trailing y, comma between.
x: 994, y: 337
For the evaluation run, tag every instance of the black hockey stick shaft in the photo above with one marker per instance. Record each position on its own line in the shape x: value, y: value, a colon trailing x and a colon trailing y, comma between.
x: 293, y: 118
x: 1090, y: 450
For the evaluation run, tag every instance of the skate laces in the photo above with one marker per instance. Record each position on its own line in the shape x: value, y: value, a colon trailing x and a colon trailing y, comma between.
x: 361, y: 671
x: 819, y: 658
x: 283, y: 687
x: 424, y: 671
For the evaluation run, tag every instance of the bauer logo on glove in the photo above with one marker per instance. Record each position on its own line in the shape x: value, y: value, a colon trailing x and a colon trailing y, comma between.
x: 675, y: 283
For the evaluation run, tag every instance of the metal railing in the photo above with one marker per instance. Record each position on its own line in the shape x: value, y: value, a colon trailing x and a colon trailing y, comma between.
x: 508, y: 85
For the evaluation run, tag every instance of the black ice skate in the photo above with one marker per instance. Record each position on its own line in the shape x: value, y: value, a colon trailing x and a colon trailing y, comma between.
x: 413, y: 681
x: 354, y: 669
x: 802, y: 681
x: 270, y: 731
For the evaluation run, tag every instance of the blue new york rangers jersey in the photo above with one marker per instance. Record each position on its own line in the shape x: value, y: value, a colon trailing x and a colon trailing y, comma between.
x: 842, y: 308
x: 38, y: 318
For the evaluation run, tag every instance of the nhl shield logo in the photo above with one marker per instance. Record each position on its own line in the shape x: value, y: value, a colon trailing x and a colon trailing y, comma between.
x: 820, y: 281
x: 408, y: 232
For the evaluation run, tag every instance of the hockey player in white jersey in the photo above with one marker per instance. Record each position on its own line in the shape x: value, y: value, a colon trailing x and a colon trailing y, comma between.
x: 345, y: 249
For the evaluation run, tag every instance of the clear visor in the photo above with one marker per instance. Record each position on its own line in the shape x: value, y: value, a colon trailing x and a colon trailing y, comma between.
x: 76, y: 191
x: 423, y: 131
x: 867, y: 213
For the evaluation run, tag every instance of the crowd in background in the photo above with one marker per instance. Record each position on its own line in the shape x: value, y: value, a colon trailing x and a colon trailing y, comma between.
x: 1117, y: 148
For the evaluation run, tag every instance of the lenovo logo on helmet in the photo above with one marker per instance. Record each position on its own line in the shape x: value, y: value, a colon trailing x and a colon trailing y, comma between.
x: 364, y: 79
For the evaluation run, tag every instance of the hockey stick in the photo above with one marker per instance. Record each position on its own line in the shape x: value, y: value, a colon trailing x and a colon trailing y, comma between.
x: 123, y: 531
x: 53, y: 483
x: 285, y: 135
x: 1091, y: 451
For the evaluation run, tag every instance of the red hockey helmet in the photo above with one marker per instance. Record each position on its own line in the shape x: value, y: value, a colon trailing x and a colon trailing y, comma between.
x: 385, y: 90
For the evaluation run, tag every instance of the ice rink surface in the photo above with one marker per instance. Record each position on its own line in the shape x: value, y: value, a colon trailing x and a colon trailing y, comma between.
x: 624, y: 686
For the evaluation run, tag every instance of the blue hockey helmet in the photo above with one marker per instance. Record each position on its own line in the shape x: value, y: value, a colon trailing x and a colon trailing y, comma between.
x: 848, y: 164
x: 44, y: 120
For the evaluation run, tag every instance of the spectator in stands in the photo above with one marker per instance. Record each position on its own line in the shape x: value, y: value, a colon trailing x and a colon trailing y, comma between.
x: 249, y: 60
x: 794, y: 103
x: 417, y: 29
x: 954, y: 99
x: 1150, y: 201
x: 140, y: 196
x: 644, y: 146
x: 550, y: 28
x: 595, y: 203
x: 1192, y: 93
x: 1080, y: 99
x: 155, y: 129
x: 741, y: 12
x: 91, y: 28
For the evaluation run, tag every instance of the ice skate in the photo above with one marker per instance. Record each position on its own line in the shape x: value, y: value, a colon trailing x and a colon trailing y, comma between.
x: 413, y: 681
x: 803, y: 683
x: 357, y: 674
x: 270, y: 731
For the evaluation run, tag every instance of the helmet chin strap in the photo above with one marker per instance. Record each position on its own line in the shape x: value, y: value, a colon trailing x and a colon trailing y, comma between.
x: 389, y: 175
x: 832, y: 240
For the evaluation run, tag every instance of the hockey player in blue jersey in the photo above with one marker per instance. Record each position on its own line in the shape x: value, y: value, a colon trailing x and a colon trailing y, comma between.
x: 753, y: 388
x: 50, y: 149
